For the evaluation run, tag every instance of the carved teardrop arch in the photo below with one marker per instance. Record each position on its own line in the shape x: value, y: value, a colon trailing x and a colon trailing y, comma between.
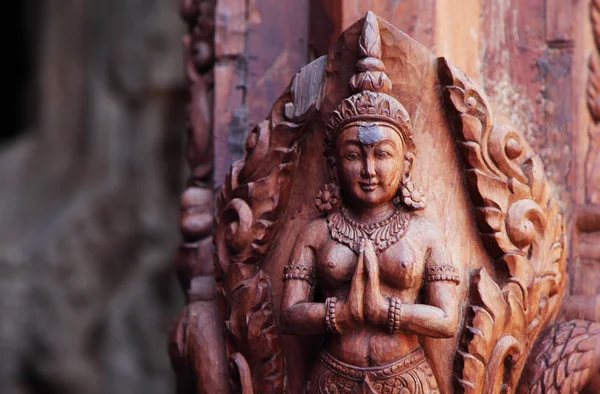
x: 515, y: 261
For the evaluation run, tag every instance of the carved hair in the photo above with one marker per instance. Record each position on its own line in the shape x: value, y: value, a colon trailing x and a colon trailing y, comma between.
x: 371, y: 101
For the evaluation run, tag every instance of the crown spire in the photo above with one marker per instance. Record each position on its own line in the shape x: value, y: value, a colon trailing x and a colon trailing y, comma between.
x: 370, y: 75
x: 370, y: 104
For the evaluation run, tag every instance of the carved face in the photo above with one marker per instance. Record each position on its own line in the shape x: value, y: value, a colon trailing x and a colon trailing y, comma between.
x: 369, y: 162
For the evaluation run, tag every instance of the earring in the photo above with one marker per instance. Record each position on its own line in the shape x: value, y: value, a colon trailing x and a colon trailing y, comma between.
x: 328, y: 198
x: 411, y: 195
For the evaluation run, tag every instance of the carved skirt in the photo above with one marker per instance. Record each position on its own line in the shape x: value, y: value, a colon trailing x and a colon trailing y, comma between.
x: 410, y: 374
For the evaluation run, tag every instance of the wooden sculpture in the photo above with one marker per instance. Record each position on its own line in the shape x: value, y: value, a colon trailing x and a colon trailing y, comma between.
x: 382, y: 234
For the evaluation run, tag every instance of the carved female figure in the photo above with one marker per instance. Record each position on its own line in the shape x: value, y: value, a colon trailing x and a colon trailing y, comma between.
x: 385, y: 272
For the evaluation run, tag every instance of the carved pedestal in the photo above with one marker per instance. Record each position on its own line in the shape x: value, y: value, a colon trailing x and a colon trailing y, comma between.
x: 382, y: 233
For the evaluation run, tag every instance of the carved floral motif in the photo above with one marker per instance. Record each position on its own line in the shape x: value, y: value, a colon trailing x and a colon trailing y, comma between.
x: 328, y: 198
x: 592, y: 165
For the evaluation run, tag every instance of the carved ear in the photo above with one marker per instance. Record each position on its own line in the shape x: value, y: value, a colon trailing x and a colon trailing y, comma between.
x: 332, y: 168
x: 409, y: 159
x: 410, y: 194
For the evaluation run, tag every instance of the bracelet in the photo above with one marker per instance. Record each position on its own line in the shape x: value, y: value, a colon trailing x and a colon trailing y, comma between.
x: 394, y: 315
x: 300, y: 272
x: 442, y: 273
x: 330, y: 321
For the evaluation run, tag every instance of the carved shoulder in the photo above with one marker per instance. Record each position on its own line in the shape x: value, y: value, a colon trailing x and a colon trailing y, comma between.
x: 439, y: 265
x: 312, y: 235
x: 428, y: 233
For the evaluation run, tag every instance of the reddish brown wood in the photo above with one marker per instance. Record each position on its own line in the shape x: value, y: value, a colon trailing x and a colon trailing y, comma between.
x: 229, y: 76
x: 329, y: 18
x: 325, y: 25
x: 277, y: 48
x: 565, y: 358
x: 327, y: 295
x: 586, y: 229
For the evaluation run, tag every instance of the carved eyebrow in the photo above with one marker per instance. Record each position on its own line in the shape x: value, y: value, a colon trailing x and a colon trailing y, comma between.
x: 386, y: 142
x: 352, y: 142
x: 356, y: 143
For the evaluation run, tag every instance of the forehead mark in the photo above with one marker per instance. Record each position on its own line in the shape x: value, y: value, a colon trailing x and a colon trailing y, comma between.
x: 369, y: 133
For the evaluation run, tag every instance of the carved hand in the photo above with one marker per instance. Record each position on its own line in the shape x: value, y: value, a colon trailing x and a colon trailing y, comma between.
x: 352, y: 311
x: 375, y: 304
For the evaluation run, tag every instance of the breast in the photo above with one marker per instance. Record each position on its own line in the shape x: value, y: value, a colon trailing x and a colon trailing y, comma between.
x: 336, y: 264
x: 401, y: 267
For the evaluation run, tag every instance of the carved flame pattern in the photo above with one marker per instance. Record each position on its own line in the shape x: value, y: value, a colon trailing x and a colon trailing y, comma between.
x: 522, y: 228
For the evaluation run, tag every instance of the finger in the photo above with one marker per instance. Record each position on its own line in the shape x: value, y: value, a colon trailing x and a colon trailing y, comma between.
x: 357, y: 288
x: 370, y: 257
x: 360, y: 267
x: 370, y: 249
x: 373, y: 256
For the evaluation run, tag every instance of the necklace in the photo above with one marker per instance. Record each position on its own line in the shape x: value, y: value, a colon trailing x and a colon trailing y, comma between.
x: 383, y: 234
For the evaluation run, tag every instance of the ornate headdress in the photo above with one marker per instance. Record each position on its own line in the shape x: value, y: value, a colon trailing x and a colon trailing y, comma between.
x: 371, y: 102
x: 369, y: 106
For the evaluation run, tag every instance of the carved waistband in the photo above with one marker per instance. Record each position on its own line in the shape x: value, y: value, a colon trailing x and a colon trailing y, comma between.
x: 384, y: 371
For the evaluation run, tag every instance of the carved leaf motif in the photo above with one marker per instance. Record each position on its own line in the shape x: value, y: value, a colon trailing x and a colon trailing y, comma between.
x: 370, y: 39
x: 522, y: 228
x: 249, y: 210
x: 252, y: 328
x: 595, y: 16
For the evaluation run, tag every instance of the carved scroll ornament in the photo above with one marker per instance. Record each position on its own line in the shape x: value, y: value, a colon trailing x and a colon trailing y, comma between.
x: 523, y: 229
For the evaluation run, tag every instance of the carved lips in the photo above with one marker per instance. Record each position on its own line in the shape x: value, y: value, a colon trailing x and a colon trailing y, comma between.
x: 368, y: 186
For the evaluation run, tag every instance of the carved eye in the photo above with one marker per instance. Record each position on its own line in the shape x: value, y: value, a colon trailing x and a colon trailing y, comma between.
x: 352, y: 156
x: 382, y: 154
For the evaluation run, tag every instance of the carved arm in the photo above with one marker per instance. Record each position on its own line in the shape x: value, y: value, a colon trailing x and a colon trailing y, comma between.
x: 439, y: 316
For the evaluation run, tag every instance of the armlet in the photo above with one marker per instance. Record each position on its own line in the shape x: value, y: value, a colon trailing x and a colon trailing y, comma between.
x: 441, y: 272
x: 300, y: 272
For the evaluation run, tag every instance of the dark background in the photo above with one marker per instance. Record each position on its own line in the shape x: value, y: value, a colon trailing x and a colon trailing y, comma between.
x: 92, y: 169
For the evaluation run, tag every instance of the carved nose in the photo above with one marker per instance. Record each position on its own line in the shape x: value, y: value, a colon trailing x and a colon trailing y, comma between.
x: 368, y: 170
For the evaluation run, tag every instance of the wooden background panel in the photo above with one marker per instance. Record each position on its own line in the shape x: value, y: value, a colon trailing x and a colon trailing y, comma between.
x: 277, y: 47
x: 585, y: 263
x: 260, y: 45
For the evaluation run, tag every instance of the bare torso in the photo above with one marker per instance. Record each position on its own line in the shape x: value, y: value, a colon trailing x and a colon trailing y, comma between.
x: 401, y: 268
